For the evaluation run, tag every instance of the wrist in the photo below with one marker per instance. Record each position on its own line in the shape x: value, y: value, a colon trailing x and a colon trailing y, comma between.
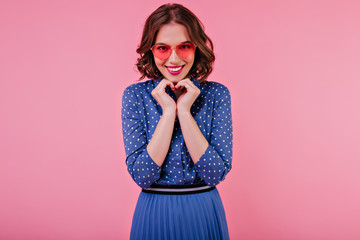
x: 169, y: 114
x: 183, y: 113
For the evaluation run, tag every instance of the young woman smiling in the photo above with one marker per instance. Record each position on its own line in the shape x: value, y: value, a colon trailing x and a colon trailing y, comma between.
x: 177, y: 130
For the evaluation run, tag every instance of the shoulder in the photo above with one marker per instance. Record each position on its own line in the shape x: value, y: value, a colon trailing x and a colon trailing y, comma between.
x: 214, y: 84
x: 138, y: 89
x: 215, y: 88
x: 138, y: 86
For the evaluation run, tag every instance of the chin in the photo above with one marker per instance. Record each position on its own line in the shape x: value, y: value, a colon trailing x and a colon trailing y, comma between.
x: 175, y: 78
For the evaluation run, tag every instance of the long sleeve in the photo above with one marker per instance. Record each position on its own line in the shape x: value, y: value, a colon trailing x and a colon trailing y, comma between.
x: 141, y: 167
x: 216, y: 161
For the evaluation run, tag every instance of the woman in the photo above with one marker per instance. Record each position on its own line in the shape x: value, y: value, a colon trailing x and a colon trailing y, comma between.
x: 177, y: 130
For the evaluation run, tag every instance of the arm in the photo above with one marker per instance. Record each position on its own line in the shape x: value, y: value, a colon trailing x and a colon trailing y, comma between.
x: 195, y: 141
x: 140, y: 165
x: 159, y: 144
x: 144, y: 160
x: 212, y: 159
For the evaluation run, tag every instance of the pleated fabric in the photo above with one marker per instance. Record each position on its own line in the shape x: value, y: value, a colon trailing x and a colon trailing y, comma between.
x: 198, y: 216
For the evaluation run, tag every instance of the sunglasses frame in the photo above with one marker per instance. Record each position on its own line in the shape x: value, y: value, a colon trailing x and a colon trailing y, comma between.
x: 151, y: 49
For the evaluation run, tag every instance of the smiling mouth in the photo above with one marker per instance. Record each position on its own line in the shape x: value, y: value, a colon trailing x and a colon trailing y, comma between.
x: 174, y: 70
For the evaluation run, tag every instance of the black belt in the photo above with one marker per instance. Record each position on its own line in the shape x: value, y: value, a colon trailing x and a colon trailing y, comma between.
x: 177, y: 189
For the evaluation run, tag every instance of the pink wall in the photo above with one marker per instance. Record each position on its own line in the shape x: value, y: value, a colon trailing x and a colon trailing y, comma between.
x: 292, y: 68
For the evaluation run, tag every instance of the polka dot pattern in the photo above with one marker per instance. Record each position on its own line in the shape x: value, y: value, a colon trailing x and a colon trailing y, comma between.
x: 140, y: 114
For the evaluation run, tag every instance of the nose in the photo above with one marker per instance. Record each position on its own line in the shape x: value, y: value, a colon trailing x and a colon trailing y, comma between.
x: 174, y: 58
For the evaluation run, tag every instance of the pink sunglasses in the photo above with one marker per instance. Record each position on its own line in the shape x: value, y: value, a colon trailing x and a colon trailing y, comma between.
x: 183, y: 50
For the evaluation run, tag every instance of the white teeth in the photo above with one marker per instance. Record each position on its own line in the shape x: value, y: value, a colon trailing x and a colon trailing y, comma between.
x: 174, y: 69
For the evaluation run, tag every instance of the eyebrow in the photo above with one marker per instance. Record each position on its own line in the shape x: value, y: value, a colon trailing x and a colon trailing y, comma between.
x: 168, y: 44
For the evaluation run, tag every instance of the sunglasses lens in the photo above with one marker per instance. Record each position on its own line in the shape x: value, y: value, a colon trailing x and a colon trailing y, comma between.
x: 185, y: 50
x: 161, y: 51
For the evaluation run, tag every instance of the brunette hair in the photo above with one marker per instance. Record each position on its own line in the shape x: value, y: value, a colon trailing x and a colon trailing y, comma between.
x: 167, y: 13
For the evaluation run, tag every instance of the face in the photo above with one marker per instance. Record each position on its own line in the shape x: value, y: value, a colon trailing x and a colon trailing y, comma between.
x: 177, y: 65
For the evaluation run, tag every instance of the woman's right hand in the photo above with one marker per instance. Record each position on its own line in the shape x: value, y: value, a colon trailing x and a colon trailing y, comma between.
x: 166, y: 102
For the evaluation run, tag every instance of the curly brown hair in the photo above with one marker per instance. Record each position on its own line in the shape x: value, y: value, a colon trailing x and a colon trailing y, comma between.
x: 167, y: 13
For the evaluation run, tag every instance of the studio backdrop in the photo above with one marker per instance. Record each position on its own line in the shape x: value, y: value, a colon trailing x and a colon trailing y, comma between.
x: 292, y: 68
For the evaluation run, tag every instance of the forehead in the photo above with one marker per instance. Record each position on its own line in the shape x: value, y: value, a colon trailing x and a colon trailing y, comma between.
x: 172, y: 33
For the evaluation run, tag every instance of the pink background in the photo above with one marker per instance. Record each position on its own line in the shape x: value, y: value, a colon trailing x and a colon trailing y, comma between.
x: 293, y: 69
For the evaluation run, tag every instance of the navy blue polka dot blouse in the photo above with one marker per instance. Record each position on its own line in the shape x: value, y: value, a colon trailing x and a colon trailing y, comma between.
x: 140, y: 114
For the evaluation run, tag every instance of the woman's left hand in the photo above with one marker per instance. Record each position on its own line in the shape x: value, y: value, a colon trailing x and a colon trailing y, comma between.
x: 188, y: 96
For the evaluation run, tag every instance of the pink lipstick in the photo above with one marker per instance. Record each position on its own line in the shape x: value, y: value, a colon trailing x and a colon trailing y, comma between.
x: 174, y: 70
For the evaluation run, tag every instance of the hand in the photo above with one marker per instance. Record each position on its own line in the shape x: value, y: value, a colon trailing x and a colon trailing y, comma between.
x: 166, y: 102
x: 188, y: 96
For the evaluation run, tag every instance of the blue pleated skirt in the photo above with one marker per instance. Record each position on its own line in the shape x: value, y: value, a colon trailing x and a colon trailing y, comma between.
x: 198, y: 216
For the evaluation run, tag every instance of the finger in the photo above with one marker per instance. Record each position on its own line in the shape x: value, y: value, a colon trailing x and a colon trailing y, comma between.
x: 163, y: 84
x: 160, y: 87
x: 169, y: 83
x: 186, y: 80
x: 159, y: 90
x: 185, y: 84
x: 179, y: 85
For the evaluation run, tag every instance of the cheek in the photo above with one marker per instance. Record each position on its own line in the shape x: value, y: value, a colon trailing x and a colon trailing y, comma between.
x: 159, y: 63
x: 190, y: 60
